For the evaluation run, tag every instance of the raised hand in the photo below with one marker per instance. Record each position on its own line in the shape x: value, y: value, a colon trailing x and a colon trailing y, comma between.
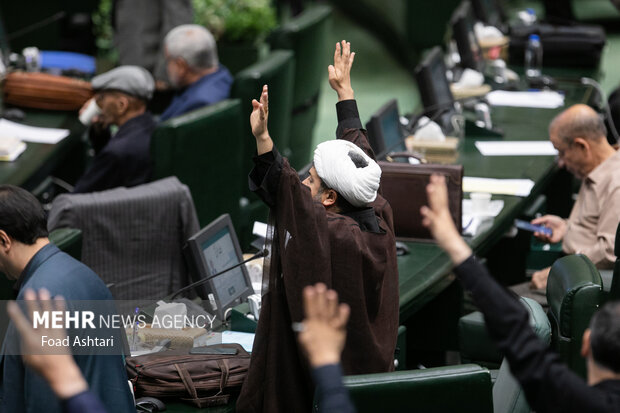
x: 437, y: 218
x: 324, y: 328
x: 56, y: 366
x: 258, y: 122
x: 340, y: 71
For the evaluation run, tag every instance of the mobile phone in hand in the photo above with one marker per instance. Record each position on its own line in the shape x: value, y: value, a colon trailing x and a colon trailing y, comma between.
x: 533, y: 228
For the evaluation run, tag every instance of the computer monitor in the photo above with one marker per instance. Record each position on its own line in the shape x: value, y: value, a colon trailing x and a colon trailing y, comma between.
x: 385, y: 132
x: 212, y: 250
x: 434, y: 87
x: 462, y: 23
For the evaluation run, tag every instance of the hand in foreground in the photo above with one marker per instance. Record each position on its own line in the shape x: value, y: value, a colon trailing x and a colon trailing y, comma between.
x: 437, y: 218
x: 58, y: 369
x: 324, y: 328
x: 258, y: 121
x: 557, y: 225
x: 539, y: 279
x: 340, y: 71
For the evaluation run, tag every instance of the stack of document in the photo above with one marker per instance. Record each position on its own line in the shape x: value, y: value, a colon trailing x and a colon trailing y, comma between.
x: 32, y: 133
x: 516, y: 148
x: 10, y: 148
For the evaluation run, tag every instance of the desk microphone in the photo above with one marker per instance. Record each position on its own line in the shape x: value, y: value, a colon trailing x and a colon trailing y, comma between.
x: 263, y: 253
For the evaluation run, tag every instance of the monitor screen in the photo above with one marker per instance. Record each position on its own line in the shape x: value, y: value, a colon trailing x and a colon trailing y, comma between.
x: 434, y: 87
x: 384, y: 130
x: 215, y: 249
x: 462, y: 23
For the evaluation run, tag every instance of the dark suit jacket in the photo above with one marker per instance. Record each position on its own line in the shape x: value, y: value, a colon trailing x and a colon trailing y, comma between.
x: 124, y: 161
x: 22, y: 390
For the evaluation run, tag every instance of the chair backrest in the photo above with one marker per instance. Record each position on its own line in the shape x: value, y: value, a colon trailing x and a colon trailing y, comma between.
x: 276, y: 71
x: 307, y: 36
x: 132, y: 237
x: 68, y: 240
x: 202, y: 149
x: 463, y: 388
x: 614, y: 291
x: 574, y: 292
x: 508, y: 396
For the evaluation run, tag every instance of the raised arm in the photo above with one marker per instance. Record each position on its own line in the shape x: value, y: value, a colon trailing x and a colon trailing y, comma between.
x: 258, y: 121
x: 340, y: 71
x: 349, y: 123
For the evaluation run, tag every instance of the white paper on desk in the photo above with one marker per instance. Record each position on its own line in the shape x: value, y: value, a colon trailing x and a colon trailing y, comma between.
x: 516, y: 148
x: 32, y: 133
x: 517, y: 187
x: 474, y: 223
x: 246, y: 340
x: 545, y: 99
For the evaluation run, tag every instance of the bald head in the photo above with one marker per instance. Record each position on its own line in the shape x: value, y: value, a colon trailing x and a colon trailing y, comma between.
x: 578, y: 121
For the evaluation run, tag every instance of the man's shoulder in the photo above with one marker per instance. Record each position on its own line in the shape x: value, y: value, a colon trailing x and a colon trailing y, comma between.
x: 64, y: 275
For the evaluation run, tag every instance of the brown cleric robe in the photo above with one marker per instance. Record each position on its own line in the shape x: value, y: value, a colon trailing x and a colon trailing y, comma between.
x: 353, y: 253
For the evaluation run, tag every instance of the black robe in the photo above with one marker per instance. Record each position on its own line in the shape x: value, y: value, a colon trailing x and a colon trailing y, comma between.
x: 353, y: 253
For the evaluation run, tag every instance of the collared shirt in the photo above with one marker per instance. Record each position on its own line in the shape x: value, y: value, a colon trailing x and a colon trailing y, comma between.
x: 595, y: 216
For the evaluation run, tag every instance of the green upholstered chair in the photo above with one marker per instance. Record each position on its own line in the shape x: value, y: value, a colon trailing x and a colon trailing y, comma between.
x: 611, y: 278
x: 305, y: 35
x: 476, y: 345
x: 202, y: 149
x: 508, y: 396
x: 574, y: 292
x: 276, y: 71
x: 462, y: 388
x: 68, y: 240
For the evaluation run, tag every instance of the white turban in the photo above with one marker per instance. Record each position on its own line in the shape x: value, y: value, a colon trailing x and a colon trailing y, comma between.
x: 335, y: 163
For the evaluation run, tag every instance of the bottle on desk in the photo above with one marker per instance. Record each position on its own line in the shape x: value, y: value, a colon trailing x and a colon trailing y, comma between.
x: 533, y: 57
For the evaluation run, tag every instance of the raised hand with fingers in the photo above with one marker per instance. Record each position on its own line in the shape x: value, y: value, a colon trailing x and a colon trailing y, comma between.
x: 258, y: 121
x: 324, y: 329
x: 340, y: 71
x: 436, y: 217
x: 58, y: 368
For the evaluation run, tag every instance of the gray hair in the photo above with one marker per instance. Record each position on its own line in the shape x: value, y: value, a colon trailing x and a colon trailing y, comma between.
x: 194, y: 44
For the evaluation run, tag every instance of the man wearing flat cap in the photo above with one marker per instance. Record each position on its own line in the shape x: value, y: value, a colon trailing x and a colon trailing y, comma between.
x: 332, y: 228
x: 122, y: 159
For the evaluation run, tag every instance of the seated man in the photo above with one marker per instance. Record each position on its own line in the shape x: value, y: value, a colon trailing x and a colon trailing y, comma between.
x: 549, y: 385
x: 332, y: 228
x: 27, y: 256
x: 123, y: 159
x: 194, y: 69
x: 579, y: 135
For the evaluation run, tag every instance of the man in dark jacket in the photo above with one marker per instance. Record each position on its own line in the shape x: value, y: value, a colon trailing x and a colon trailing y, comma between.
x: 27, y: 256
x: 122, y: 159
x: 332, y: 228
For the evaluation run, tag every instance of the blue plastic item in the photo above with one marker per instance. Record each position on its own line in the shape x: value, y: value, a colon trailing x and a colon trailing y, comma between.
x: 51, y: 60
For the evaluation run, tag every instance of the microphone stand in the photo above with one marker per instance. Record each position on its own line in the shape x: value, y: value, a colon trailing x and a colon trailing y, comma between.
x: 263, y: 253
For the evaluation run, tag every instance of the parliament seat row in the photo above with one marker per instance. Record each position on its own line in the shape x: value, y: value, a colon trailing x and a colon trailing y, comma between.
x: 211, y: 149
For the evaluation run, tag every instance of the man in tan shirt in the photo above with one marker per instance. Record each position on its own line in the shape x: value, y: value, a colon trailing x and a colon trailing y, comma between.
x: 579, y: 136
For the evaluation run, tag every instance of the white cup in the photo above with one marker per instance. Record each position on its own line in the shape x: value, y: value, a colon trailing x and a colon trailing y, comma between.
x: 92, y: 110
x: 481, y: 202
